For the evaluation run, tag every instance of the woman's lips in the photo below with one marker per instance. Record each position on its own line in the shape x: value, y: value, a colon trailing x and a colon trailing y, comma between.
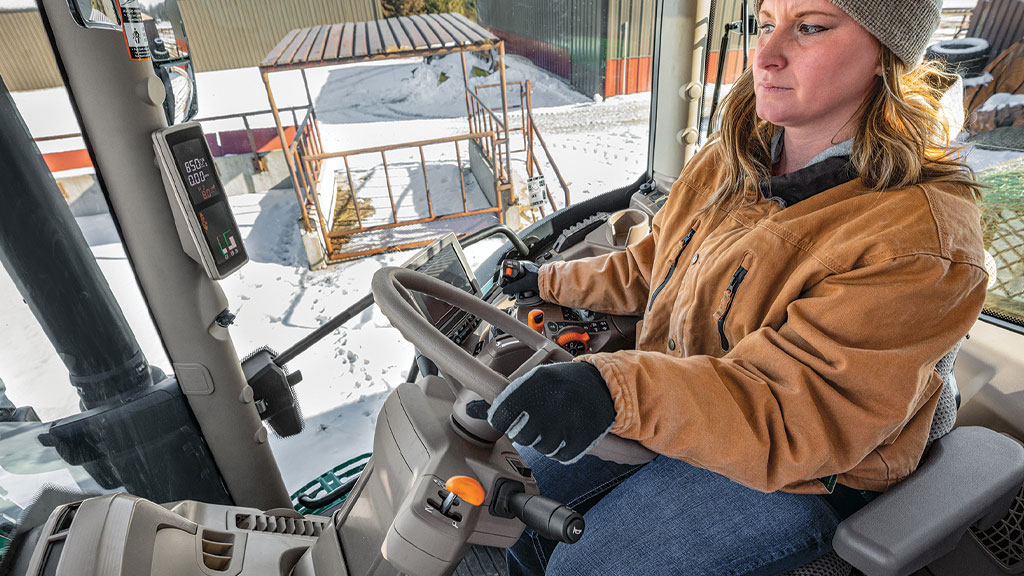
x: 768, y: 88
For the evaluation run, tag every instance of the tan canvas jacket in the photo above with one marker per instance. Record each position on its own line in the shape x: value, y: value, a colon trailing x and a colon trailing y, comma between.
x: 783, y: 345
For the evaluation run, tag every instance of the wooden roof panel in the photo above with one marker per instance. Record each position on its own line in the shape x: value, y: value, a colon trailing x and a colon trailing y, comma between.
x: 374, y: 45
x: 466, y: 35
x: 359, y: 48
x: 289, y: 53
x: 418, y: 42
x: 307, y: 44
x: 432, y: 22
x: 377, y: 39
x: 432, y: 40
x: 333, y: 41
x: 387, y: 36
x: 317, y: 51
x: 401, y: 38
x: 483, y: 32
x: 347, y: 41
x: 275, y: 53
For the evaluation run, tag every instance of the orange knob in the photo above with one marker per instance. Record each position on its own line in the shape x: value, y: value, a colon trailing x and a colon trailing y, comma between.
x: 466, y: 488
x: 574, y: 337
x: 535, y: 320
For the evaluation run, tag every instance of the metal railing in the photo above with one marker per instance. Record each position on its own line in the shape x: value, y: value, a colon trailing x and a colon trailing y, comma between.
x: 496, y: 151
x: 304, y: 151
x: 243, y: 116
x: 531, y: 134
x: 311, y: 164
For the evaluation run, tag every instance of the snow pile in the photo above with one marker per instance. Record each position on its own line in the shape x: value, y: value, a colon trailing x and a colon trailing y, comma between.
x: 411, y: 89
x: 982, y: 80
x: 1002, y: 100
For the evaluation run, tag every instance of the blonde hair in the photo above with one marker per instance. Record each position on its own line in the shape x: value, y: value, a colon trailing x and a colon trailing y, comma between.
x: 902, y: 138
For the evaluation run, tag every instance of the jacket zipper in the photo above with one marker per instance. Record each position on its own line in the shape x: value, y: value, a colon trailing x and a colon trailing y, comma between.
x: 726, y: 304
x: 672, y: 269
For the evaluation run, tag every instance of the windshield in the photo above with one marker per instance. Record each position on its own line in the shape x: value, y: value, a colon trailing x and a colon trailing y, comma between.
x: 574, y: 125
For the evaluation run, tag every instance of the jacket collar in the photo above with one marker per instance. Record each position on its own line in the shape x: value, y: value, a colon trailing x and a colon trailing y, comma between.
x: 827, y: 170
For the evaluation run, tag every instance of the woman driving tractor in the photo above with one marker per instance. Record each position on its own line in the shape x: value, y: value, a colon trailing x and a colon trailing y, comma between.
x: 814, y: 262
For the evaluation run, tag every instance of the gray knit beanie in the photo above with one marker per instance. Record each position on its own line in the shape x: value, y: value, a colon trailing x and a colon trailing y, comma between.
x: 903, y: 26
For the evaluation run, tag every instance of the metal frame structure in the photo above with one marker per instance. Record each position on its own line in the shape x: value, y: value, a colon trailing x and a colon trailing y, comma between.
x: 391, y: 38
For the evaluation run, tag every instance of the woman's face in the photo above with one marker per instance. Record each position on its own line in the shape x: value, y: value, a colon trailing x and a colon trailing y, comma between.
x: 814, y: 65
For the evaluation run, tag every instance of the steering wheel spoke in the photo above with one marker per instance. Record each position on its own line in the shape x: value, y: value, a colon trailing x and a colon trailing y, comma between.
x: 539, y: 357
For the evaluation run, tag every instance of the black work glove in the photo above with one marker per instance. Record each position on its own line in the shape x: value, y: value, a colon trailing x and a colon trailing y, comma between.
x: 518, y: 276
x: 562, y: 410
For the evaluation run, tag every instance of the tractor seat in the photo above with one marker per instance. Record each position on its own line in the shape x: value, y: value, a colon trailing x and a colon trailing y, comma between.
x: 968, y: 476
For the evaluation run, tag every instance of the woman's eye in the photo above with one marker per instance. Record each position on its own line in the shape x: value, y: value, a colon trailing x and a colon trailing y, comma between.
x: 766, y: 28
x: 811, y: 29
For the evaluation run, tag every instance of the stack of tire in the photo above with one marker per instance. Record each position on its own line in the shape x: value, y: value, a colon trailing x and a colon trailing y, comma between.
x: 965, y: 56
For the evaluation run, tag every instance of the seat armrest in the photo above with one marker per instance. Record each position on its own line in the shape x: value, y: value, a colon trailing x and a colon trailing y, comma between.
x: 969, y: 476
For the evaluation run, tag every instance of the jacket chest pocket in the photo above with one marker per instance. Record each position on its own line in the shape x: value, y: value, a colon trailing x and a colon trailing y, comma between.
x: 726, y: 304
x: 675, y: 262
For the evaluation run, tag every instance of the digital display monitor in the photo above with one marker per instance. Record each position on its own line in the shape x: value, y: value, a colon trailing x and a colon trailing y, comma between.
x: 196, y: 171
x: 445, y: 261
x: 196, y: 189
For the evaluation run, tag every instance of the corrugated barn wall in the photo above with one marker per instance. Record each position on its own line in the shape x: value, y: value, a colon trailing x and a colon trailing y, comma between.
x: 26, y: 60
x: 728, y: 11
x: 630, y: 46
x: 225, y: 34
x: 600, y: 46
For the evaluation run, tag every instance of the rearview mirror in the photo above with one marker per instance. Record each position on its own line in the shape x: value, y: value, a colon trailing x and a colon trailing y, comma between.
x: 180, y: 104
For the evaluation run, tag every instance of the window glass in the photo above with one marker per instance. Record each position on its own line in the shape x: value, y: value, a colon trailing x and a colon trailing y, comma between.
x: 578, y: 112
x: 50, y: 434
x: 577, y: 116
x: 979, y: 40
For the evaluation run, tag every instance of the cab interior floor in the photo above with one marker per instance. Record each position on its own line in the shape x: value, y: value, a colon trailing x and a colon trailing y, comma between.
x: 483, y: 561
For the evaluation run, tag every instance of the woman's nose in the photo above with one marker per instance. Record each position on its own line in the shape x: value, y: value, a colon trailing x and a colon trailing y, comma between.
x: 771, y: 51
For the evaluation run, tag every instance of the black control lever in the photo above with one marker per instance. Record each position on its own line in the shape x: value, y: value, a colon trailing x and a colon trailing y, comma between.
x: 548, y: 518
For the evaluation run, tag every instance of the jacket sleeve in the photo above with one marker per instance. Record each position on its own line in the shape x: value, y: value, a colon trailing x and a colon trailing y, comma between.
x: 615, y: 283
x: 850, y: 367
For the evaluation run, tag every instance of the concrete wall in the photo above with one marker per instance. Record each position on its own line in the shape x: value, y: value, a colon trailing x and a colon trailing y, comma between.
x: 237, y: 174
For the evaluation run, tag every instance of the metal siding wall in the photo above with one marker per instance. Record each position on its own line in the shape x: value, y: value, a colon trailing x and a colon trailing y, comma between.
x: 728, y: 11
x: 589, y: 45
x: 630, y: 28
x: 26, y: 58
x: 566, y: 37
x: 225, y: 34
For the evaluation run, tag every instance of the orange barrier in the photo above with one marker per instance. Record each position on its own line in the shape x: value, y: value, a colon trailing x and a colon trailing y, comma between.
x: 78, y: 159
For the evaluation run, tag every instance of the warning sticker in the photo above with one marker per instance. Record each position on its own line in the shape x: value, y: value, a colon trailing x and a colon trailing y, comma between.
x: 536, y: 188
x: 134, y: 31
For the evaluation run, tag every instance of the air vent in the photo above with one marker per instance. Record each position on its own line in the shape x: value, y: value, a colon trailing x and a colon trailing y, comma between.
x: 1004, y: 541
x: 63, y: 523
x: 279, y: 524
x: 218, y: 548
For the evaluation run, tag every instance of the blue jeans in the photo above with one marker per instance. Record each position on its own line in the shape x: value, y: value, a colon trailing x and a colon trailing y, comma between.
x: 669, y: 517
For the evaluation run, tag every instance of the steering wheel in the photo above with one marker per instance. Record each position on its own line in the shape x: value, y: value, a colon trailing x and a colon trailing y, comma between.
x: 391, y: 288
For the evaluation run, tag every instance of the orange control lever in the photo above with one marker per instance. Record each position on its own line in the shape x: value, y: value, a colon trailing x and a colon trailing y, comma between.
x: 469, y: 489
x: 535, y: 320
x: 574, y: 337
